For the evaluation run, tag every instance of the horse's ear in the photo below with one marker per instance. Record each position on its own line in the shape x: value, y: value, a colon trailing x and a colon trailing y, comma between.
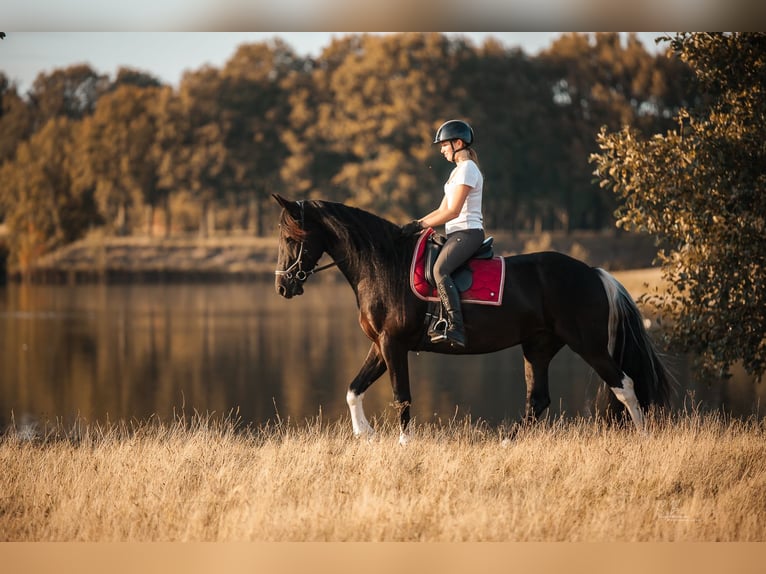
x: 292, y: 207
x: 280, y: 200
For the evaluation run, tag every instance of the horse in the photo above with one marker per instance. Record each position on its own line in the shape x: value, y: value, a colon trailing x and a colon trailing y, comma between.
x: 549, y: 300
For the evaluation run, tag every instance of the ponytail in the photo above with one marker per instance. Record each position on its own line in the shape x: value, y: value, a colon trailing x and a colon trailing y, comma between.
x: 473, y: 155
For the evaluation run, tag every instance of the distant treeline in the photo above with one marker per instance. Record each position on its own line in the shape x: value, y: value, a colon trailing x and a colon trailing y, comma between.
x: 130, y: 155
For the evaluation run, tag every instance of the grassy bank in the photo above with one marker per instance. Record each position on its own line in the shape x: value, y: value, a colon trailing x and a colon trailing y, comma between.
x: 696, y: 478
x: 100, y: 258
x: 147, y: 258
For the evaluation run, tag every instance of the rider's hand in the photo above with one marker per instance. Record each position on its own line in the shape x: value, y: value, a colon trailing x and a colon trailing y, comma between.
x: 412, y: 228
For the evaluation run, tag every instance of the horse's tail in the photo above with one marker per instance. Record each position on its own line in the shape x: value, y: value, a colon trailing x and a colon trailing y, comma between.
x: 631, y: 347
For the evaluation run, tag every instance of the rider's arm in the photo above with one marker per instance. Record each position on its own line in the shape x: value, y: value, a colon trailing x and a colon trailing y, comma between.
x: 449, y: 209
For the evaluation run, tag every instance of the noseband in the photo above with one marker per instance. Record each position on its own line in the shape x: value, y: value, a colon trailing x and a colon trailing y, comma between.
x: 300, y: 275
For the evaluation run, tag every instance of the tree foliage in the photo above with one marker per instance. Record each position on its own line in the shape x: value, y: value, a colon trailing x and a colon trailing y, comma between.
x: 701, y: 188
x: 354, y: 124
x: 15, y: 119
x: 71, y: 92
x: 254, y: 99
x: 48, y: 207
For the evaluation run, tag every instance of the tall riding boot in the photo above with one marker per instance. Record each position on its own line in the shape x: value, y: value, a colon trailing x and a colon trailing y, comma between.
x: 450, y: 298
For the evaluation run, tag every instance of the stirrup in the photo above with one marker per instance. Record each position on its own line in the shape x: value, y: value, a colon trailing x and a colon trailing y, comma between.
x: 438, y: 332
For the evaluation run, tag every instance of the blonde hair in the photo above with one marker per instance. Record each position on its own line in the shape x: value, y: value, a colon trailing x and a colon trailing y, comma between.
x: 473, y: 155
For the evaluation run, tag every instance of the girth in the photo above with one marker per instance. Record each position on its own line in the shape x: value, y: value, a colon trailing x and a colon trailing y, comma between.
x: 462, y: 276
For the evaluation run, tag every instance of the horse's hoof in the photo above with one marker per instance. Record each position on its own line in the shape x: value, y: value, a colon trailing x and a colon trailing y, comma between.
x: 404, y: 439
x: 365, y: 432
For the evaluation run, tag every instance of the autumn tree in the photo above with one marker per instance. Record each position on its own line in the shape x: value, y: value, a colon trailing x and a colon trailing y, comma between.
x: 72, y: 92
x: 119, y: 142
x: 313, y: 155
x: 194, y: 164
x: 354, y: 124
x: 44, y: 206
x: 380, y: 100
x: 15, y: 119
x: 598, y: 80
x: 701, y: 189
x: 255, y: 107
x: 509, y: 103
x: 133, y: 77
x: 168, y: 150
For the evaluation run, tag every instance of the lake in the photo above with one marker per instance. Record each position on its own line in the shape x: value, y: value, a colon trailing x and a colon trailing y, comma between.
x: 129, y: 352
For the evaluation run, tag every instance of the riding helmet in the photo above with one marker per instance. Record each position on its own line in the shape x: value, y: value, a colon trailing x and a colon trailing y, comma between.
x: 454, y: 130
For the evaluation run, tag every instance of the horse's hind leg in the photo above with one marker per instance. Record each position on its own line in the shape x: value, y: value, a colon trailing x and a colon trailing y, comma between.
x: 538, y: 353
x: 371, y: 370
x: 395, y: 356
x: 621, y: 385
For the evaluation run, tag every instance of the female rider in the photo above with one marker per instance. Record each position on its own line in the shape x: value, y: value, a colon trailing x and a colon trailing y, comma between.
x: 460, y: 212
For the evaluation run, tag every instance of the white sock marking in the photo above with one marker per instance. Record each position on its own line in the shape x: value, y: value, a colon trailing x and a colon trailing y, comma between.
x: 627, y: 396
x: 358, y: 420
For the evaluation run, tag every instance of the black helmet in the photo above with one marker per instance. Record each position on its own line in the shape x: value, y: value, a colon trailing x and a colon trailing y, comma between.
x: 454, y: 130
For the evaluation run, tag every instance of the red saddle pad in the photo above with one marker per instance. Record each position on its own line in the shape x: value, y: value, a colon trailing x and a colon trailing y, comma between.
x: 488, y: 277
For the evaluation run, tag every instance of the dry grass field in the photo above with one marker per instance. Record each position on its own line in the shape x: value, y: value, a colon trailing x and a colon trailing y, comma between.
x: 694, y: 478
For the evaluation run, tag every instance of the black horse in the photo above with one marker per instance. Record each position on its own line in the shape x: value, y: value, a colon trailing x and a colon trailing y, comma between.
x: 549, y: 300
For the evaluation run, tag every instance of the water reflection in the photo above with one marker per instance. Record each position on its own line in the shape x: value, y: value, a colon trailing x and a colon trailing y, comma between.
x: 129, y: 352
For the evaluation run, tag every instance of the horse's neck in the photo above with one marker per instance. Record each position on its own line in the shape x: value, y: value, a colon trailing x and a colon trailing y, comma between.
x: 360, y: 267
x: 356, y: 267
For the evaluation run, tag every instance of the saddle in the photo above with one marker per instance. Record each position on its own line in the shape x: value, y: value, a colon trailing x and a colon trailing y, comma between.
x: 480, y: 280
x: 463, y: 275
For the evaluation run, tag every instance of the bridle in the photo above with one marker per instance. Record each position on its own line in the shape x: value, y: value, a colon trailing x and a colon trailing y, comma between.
x: 300, y: 275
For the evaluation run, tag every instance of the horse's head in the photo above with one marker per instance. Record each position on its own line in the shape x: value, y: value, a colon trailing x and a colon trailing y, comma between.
x: 299, y: 250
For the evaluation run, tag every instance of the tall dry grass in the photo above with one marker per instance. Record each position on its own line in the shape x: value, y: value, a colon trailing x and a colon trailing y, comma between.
x: 695, y: 478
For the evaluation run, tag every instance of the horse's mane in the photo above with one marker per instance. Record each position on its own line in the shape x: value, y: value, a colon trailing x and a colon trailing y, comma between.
x: 368, y: 239
x: 366, y: 235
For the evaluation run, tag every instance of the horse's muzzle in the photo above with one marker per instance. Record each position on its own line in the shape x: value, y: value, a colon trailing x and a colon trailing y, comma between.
x: 288, y: 289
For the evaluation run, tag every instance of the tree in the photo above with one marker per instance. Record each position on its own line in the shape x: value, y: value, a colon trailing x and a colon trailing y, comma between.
x: 314, y: 157
x: 120, y: 140
x: 255, y: 105
x: 196, y: 163
x: 44, y: 206
x: 133, y: 77
x: 15, y: 119
x: 511, y: 110
x: 701, y: 188
x: 71, y: 92
x: 380, y: 102
x: 168, y: 150
x: 595, y: 81
x: 354, y: 125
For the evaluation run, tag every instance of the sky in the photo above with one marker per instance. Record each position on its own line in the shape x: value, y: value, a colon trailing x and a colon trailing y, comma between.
x: 166, y: 55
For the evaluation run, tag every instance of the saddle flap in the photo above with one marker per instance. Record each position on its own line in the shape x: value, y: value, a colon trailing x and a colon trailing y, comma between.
x: 462, y: 276
x: 486, y: 276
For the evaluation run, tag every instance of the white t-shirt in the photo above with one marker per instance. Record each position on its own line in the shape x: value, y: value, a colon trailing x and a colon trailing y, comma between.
x: 466, y: 173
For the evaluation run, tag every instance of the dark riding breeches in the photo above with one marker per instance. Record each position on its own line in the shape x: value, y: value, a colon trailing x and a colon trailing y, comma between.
x: 458, y: 248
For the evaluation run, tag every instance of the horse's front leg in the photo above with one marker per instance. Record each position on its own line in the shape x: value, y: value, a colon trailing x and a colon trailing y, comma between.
x: 374, y: 366
x: 395, y: 355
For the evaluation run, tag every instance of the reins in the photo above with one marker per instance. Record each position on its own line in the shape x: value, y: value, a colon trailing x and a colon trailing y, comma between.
x: 302, y: 275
